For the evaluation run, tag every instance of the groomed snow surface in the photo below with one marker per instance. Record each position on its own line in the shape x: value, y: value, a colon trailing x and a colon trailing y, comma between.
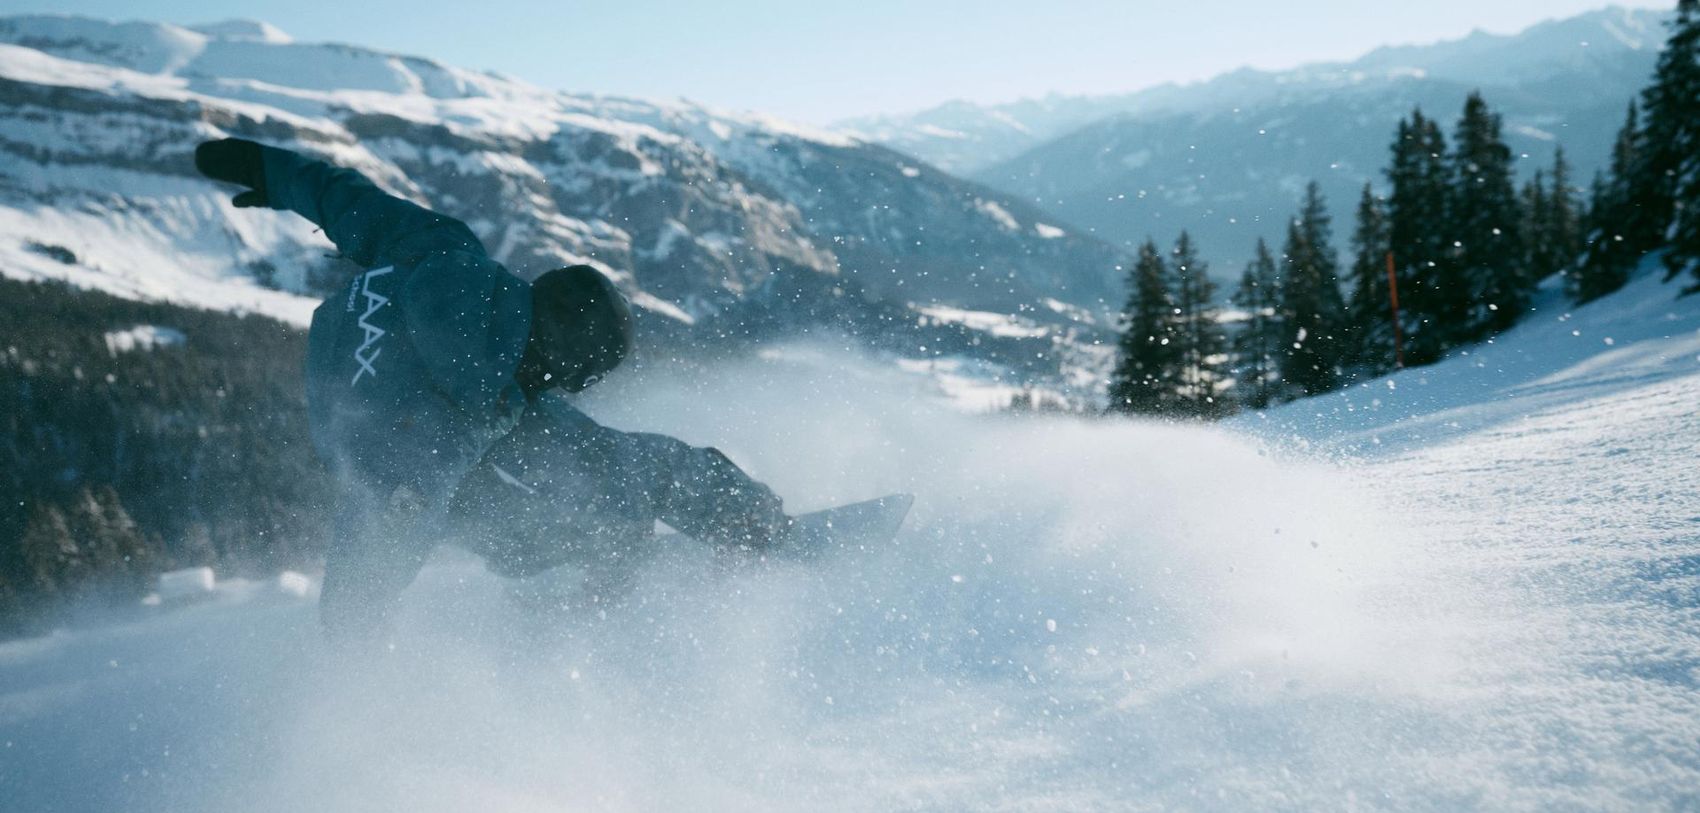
x: 1474, y: 587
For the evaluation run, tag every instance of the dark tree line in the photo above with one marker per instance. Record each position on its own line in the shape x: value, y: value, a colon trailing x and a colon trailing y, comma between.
x: 116, y: 464
x: 1649, y: 198
x: 1172, y: 355
x: 1452, y: 254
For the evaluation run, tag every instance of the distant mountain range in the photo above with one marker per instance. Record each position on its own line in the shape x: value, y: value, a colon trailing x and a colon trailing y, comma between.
x: 727, y: 227
x: 711, y: 222
x: 1228, y: 158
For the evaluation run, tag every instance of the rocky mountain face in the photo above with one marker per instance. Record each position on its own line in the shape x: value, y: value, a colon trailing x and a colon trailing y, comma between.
x: 1228, y: 158
x: 715, y: 224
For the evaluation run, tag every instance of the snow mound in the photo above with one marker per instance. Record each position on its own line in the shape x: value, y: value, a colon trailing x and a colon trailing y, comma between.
x: 248, y: 30
x: 187, y: 584
x: 142, y: 337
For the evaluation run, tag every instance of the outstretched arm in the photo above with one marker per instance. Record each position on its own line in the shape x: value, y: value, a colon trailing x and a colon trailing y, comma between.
x: 695, y: 489
x: 368, y: 225
x: 701, y: 492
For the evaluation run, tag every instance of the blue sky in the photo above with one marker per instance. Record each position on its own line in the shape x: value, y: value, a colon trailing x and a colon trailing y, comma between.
x: 820, y: 61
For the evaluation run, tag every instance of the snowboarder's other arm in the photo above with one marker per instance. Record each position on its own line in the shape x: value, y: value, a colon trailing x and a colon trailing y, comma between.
x: 699, y: 491
x: 368, y: 225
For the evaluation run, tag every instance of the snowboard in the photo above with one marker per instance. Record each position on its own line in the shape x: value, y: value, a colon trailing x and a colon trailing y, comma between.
x: 855, y: 526
x: 852, y: 526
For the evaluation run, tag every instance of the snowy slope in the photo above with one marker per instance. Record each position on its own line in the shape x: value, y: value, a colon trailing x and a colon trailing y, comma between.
x: 1561, y: 355
x: 1492, y: 608
x: 694, y: 211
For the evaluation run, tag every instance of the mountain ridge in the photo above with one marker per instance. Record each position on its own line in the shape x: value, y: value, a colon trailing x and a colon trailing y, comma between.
x: 701, y: 216
x: 1231, y: 167
x: 967, y: 137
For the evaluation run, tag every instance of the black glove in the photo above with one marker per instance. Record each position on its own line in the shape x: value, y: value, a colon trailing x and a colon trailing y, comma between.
x: 751, y: 516
x: 758, y: 530
x: 237, y: 161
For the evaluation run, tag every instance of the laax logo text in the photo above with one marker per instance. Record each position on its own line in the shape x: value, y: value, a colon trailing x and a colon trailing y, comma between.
x: 367, y: 353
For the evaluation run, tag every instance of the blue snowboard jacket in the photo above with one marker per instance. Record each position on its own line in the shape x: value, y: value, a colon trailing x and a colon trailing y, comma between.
x: 414, y: 407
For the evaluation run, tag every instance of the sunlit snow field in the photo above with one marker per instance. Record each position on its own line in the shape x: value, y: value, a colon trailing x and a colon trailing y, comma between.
x: 1476, y: 588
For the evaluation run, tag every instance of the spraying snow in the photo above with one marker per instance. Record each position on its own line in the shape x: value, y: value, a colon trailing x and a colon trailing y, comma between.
x: 1079, y: 615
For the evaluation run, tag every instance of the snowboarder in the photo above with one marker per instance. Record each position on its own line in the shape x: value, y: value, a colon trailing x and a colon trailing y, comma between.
x: 432, y: 397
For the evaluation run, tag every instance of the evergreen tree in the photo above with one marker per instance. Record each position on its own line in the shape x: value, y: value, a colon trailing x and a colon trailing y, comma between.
x: 1554, y: 225
x: 1148, y: 366
x: 11, y: 607
x: 49, y: 553
x: 1664, y: 182
x: 93, y: 549
x: 118, y: 557
x: 137, y: 426
x: 1257, y: 346
x: 1610, y: 245
x: 1369, y: 313
x: 1487, y: 224
x: 1203, y: 343
x: 1311, y: 307
x: 1538, y: 255
x: 1433, y: 296
x: 1673, y: 141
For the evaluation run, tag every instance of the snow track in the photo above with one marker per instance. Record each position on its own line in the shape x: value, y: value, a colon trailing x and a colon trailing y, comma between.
x: 1492, y: 608
x: 1576, y: 531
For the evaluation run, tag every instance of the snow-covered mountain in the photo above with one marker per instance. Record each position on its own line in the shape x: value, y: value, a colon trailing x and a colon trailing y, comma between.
x: 697, y: 213
x: 1228, y: 158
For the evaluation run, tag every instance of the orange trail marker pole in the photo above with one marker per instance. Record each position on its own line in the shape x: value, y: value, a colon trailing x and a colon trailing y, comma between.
x: 1398, y: 331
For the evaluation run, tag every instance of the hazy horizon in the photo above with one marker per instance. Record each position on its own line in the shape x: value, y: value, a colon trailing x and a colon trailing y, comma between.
x: 887, y: 57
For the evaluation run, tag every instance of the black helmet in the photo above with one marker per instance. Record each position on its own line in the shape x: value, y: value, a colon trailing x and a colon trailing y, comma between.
x: 581, y: 324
